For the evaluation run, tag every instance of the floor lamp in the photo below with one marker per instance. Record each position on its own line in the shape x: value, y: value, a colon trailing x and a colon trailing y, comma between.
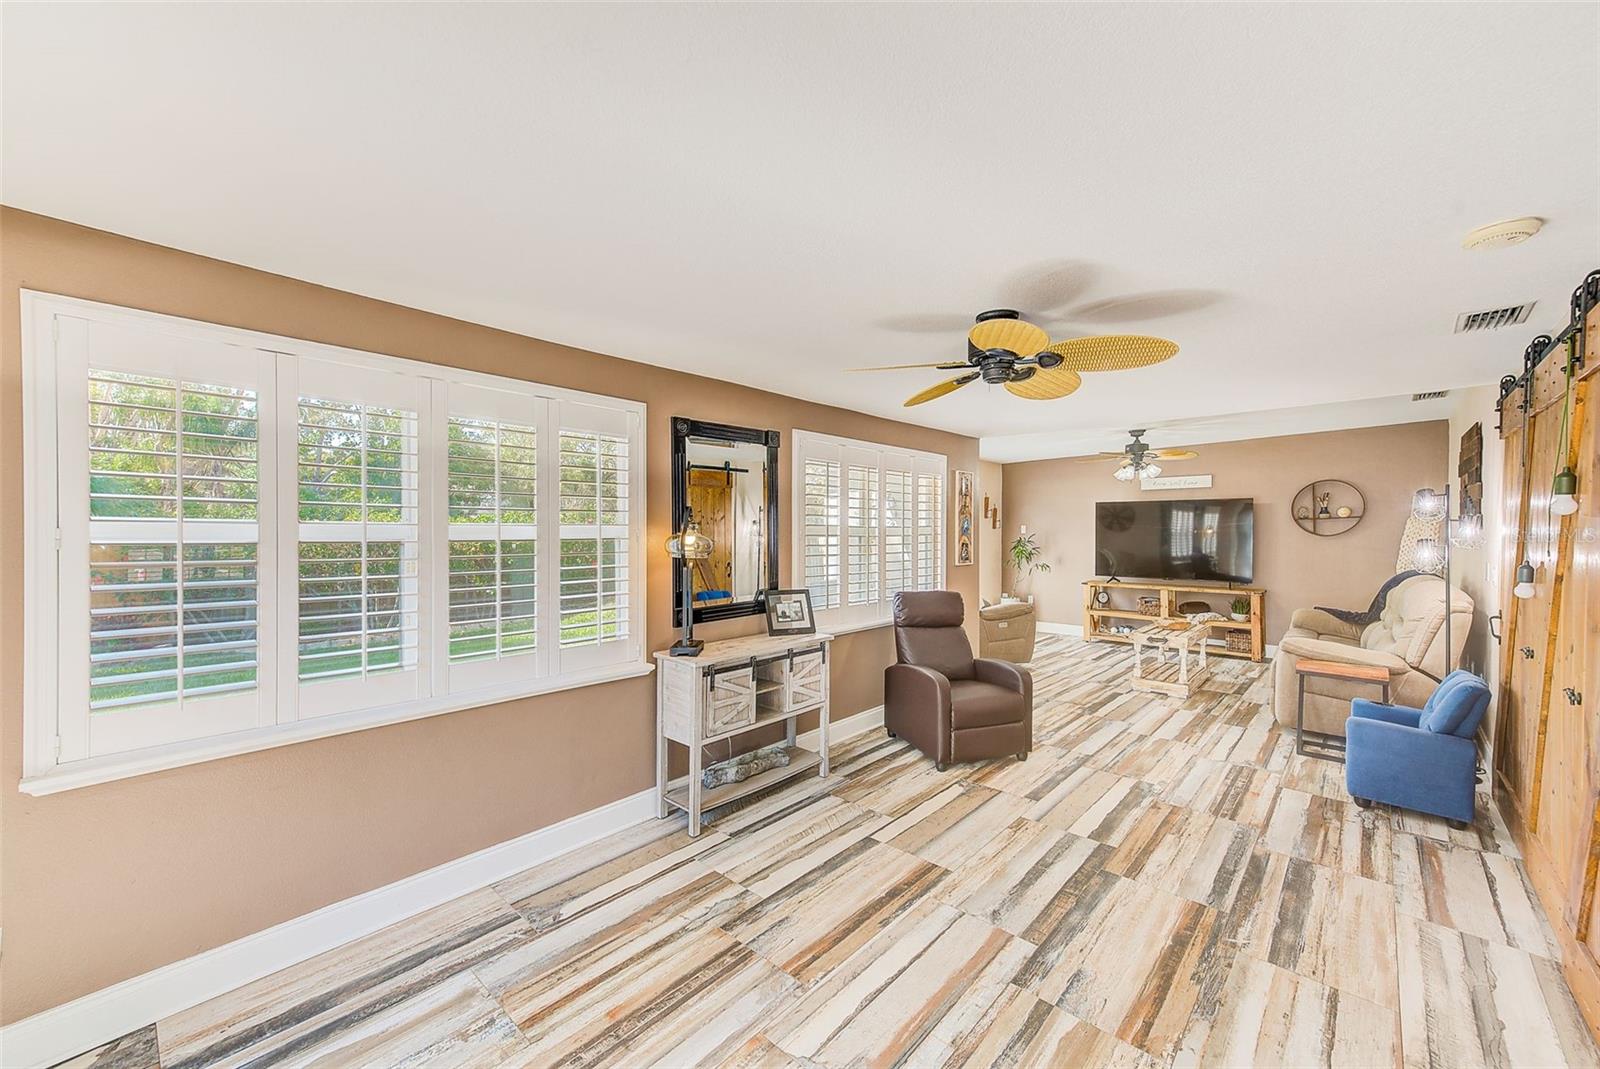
x: 1463, y: 530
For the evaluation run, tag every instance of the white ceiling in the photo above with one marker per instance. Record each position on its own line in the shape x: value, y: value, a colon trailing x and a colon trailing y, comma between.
x: 773, y: 193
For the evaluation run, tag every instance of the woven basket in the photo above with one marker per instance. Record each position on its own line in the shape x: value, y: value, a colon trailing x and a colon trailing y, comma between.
x: 1239, y: 641
x: 1192, y: 608
x: 1149, y: 605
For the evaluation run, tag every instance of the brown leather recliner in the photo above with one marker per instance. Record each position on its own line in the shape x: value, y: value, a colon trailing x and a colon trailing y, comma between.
x: 942, y: 700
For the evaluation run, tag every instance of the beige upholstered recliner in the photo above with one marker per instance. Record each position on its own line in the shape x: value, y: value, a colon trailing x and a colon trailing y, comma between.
x: 1407, y: 639
x: 1006, y: 631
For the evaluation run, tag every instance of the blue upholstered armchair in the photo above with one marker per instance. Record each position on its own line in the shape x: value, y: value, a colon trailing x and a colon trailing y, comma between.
x: 1422, y: 759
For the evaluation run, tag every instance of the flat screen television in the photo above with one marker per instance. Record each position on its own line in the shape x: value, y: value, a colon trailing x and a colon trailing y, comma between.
x: 1207, y: 539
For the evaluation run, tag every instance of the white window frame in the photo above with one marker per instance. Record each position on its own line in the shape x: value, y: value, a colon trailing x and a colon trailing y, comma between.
x: 850, y: 452
x: 283, y: 718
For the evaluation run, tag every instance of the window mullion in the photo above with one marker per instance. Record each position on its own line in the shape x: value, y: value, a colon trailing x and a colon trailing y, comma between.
x: 433, y: 516
x: 286, y: 392
x: 366, y: 552
x: 499, y: 547
x: 182, y: 540
x: 547, y: 537
x: 883, y: 532
x: 268, y: 517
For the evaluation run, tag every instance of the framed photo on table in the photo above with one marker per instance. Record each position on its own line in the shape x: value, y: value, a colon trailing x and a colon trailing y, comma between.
x: 789, y: 613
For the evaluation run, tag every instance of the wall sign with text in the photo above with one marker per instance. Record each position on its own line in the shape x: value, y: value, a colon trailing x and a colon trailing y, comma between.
x: 1176, y: 482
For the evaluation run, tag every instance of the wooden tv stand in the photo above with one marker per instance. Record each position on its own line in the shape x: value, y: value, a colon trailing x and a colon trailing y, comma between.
x: 1123, y: 610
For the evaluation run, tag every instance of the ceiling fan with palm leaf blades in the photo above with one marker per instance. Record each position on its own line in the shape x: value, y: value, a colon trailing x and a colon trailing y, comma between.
x: 1137, y: 460
x: 1005, y: 350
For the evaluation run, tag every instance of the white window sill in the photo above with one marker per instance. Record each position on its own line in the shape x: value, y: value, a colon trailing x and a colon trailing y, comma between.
x: 94, y: 770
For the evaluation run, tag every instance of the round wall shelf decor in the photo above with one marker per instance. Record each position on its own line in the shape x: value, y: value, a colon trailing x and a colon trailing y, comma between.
x: 1328, y: 507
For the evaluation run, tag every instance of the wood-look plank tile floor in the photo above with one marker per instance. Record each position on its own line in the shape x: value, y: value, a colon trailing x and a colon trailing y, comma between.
x: 1163, y: 882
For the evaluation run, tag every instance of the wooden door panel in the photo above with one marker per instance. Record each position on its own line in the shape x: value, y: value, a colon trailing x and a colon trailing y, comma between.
x: 1581, y: 665
x: 1541, y: 549
x: 1529, y: 653
x: 1511, y: 720
x: 1565, y: 806
x: 708, y: 496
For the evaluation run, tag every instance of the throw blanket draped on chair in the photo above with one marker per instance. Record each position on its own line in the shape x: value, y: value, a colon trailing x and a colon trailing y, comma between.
x: 1362, y: 619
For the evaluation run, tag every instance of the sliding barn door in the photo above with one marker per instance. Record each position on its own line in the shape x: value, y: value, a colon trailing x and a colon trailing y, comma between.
x: 1547, y: 744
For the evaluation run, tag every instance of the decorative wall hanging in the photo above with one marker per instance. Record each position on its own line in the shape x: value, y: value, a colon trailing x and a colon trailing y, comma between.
x: 964, y: 533
x: 1327, y: 507
x: 1470, y: 469
x: 1175, y: 482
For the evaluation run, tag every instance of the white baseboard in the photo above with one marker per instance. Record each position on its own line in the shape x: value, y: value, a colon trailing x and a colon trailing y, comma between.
x: 839, y: 730
x: 85, y: 1023
x: 1075, y: 630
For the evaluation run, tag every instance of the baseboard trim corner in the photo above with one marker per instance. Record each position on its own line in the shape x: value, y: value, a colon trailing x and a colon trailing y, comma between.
x: 1075, y: 630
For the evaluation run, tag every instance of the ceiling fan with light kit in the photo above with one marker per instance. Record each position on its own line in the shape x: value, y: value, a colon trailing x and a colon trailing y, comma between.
x: 1137, y: 459
x: 1003, y: 349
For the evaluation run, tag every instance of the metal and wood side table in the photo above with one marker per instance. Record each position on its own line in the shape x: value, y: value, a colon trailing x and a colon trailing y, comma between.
x: 1320, y: 744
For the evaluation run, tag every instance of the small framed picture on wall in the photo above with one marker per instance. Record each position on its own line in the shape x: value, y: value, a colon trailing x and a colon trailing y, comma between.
x: 964, y: 484
x: 789, y: 613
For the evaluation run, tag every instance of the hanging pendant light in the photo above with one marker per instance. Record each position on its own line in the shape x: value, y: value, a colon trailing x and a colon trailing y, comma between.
x: 1524, y: 587
x: 1564, y: 488
x: 1564, y: 493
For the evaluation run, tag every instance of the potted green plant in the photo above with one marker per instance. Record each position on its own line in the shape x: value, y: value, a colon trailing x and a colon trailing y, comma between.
x: 1241, y: 609
x: 1027, y: 556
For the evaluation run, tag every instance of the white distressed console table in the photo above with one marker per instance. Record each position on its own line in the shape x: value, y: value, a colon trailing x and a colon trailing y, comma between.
x: 736, y: 686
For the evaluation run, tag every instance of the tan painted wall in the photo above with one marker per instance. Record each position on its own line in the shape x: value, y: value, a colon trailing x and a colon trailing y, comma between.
x: 1056, y: 499
x: 1476, y: 569
x: 106, y: 882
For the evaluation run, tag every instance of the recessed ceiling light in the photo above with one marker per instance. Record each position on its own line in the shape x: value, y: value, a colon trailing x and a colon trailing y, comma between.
x: 1500, y: 235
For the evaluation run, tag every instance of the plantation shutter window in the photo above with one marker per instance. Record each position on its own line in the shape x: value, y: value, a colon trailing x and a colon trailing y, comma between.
x: 236, y: 541
x: 821, y: 564
x: 596, y: 616
x: 869, y: 524
x: 863, y: 509
x: 930, y: 526
x: 358, y: 549
x: 492, y: 504
x: 160, y: 556
x: 899, y: 525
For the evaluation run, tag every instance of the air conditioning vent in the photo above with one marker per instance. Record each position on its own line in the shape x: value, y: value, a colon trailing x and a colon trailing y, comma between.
x: 1494, y: 318
x: 1431, y: 395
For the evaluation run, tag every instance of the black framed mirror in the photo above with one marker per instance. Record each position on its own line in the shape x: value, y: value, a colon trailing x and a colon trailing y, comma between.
x: 729, y: 476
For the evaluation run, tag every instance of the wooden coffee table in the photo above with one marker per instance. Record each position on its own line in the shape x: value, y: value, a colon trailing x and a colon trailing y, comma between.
x: 1187, y: 643
x: 1320, y: 744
